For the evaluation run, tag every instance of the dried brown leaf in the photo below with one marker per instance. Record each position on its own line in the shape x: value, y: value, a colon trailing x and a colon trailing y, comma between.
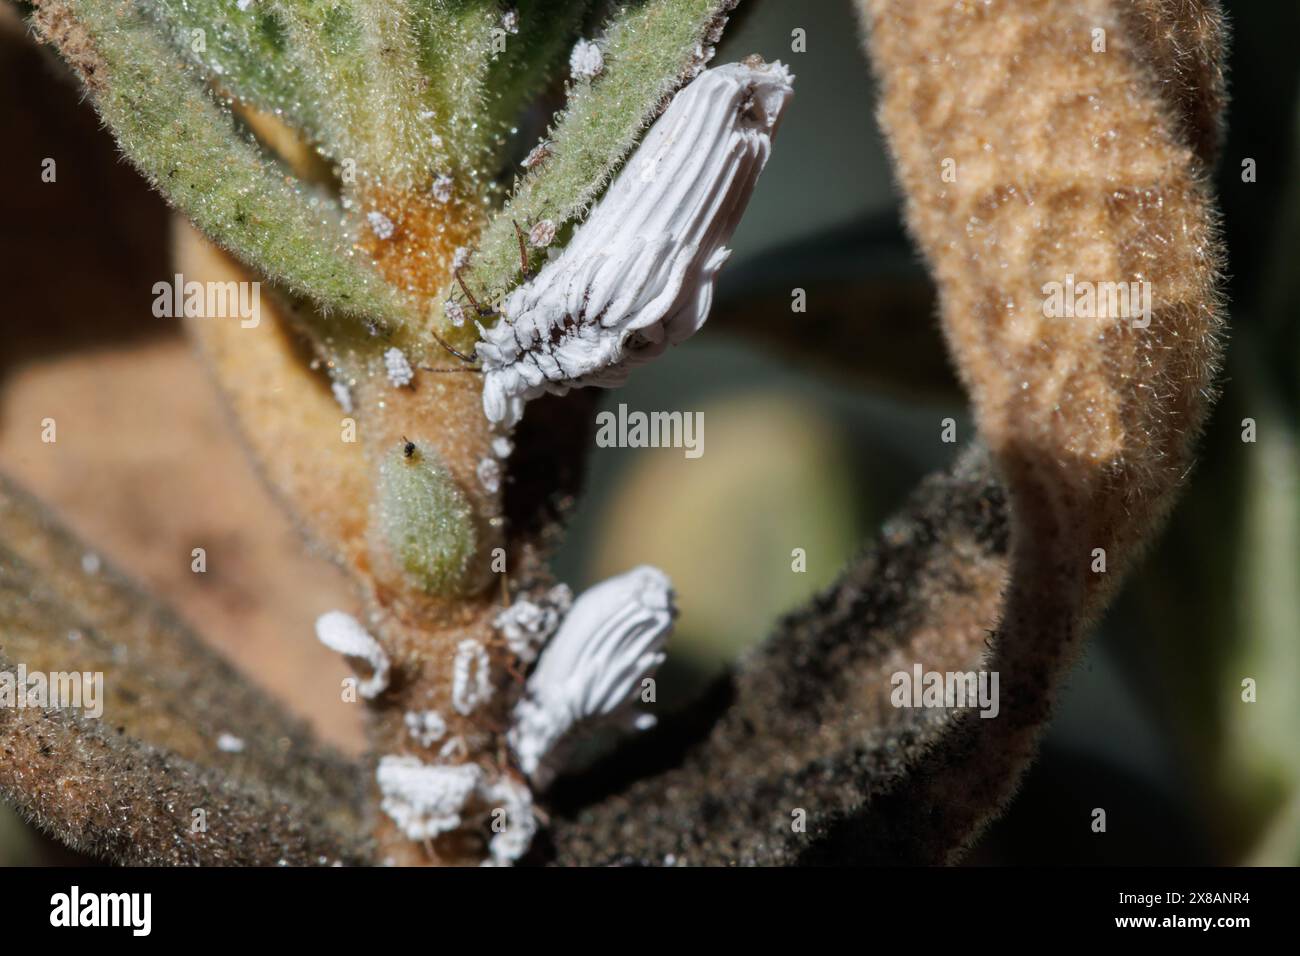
x: 124, y: 785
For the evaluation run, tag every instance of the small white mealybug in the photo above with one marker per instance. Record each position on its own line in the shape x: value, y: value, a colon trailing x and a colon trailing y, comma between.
x: 471, y: 680
x: 454, y: 312
x: 542, y: 234
x: 342, y: 632
x: 426, y: 727
x: 593, y: 667
x: 520, y: 825
x: 638, y: 274
x: 442, y: 188
x: 380, y: 224
x: 489, y: 475
x: 398, y: 368
x: 423, y: 799
x: 585, y: 60
x: 528, y: 625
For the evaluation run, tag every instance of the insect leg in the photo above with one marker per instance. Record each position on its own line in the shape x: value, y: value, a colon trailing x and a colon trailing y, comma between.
x: 484, y: 312
x: 523, y: 252
x: 460, y: 355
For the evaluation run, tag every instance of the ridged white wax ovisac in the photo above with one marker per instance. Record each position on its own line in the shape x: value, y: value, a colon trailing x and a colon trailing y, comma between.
x: 593, y: 667
x: 638, y: 274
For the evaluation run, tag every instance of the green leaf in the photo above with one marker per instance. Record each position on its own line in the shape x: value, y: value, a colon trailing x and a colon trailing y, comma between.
x: 188, y: 147
x: 246, y: 52
x: 649, y: 50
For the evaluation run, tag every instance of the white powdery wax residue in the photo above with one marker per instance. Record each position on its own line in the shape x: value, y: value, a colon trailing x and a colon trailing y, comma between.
x: 586, y: 61
x: 90, y: 563
x: 398, y: 368
x: 380, y: 224
x: 592, y: 669
x: 471, y: 682
x: 489, y: 475
x: 442, y: 189
x: 638, y: 274
x: 342, y: 633
x: 516, y: 800
x: 454, y: 312
x: 510, y: 20
x: 243, y: 4
x: 229, y: 743
x: 423, y: 799
x: 460, y: 258
x: 542, y: 234
x: 436, y: 141
x: 426, y: 727
x: 528, y: 625
x: 342, y: 395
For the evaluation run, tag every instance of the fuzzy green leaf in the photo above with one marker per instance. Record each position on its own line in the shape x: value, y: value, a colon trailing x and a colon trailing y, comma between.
x: 189, y: 148
x: 244, y: 51
x: 649, y: 50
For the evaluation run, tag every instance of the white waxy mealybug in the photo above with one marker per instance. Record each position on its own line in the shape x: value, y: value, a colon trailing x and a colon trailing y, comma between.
x: 427, y: 800
x: 585, y: 60
x: 380, y: 225
x: 592, y: 668
x: 489, y: 475
x: 426, y: 727
x: 528, y: 625
x: 454, y: 312
x: 542, y: 234
x: 423, y: 799
x: 398, y: 368
x: 442, y: 189
x: 638, y: 274
x: 471, y: 681
x: 512, y: 842
x: 342, y: 632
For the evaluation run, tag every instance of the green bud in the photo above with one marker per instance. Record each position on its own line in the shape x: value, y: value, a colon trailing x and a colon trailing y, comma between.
x: 426, y: 519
